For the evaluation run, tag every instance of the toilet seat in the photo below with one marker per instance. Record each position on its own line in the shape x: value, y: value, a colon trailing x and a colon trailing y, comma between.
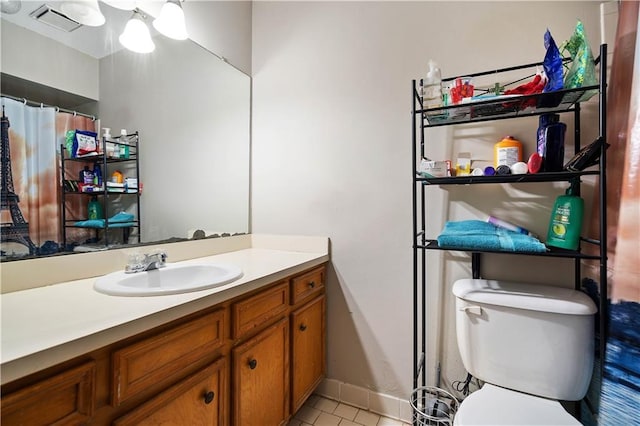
x: 493, y: 405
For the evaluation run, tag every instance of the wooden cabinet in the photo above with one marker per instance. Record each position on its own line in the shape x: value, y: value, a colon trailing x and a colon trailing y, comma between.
x: 160, y: 359
x: 261, y: 378
x: 255, y: 312
x: 251, y: 360
x: 307, y: 350
x: 62, y: 399
x: 198, y: 400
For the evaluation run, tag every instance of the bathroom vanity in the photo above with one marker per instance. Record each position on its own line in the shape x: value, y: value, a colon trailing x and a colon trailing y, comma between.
x: 249, y: 352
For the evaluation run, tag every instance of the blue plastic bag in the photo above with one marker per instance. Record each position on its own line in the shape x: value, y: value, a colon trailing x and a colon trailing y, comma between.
x: 552, y: 65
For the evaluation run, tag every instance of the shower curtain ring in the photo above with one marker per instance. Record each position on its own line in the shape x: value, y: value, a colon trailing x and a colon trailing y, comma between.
x: 74, y: 113
x: 24, y: 101
x: 93, y: 118
x: 57, y: 109
x: 41, y: 105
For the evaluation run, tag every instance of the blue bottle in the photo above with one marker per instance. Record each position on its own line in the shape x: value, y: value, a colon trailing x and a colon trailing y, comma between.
x: 550, y: 142
x: 97, y: 175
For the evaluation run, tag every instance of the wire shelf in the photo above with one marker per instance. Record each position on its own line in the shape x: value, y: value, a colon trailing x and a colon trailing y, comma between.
x: 433, y: 406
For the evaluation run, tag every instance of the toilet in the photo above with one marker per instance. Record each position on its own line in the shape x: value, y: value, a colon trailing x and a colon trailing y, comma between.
x: 532, y: 345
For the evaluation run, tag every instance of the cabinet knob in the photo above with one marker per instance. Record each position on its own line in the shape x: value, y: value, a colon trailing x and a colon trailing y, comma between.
x: 312, y: 284
x: 208, y: 397
x: 253, y: 364
x: 303, y: 327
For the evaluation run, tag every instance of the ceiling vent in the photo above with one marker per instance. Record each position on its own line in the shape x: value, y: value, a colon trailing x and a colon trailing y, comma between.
x: 48, y: 15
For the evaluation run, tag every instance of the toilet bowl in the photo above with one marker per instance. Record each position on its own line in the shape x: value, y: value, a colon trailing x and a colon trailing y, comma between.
x: 493, y: 405
x: 532, y: 345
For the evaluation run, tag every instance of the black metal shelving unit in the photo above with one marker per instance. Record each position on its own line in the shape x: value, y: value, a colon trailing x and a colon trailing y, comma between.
x: 560, y: 102
x: 132, y: 144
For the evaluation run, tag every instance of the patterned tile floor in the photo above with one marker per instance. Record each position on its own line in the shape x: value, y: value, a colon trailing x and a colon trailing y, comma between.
x: 319, y: 411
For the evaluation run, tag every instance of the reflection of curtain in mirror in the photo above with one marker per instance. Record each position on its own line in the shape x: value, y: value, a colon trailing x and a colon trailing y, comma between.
x: 33, y: 168
x: 35, y: 135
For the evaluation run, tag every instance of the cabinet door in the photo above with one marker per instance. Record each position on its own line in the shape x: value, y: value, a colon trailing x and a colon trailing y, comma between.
x: 307, y: 350
x: 64, y: 399
x: 197, y: 400
x: 261, y: 378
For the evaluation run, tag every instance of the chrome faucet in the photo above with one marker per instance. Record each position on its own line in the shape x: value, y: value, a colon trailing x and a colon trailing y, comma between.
x: 146, y: 262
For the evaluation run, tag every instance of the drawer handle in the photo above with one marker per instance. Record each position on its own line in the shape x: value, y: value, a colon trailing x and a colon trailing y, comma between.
x: 303, y: 327
x: 253, y: 364
x: 312, y: 284
x: 208, y: 397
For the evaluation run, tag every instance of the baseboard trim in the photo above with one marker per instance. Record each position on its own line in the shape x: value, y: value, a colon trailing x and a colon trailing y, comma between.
x: 366, y: 399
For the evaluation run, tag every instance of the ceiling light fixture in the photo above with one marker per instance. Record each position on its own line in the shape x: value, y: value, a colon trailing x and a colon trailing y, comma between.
x: 171, y: 21
x: 10, y: 6
x: 85, y: 12
x: 135, y: 36
x: 121, y: 4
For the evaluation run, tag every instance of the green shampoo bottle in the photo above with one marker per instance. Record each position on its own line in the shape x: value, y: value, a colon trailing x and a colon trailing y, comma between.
x: 566, y: 221
x: 94, y: 209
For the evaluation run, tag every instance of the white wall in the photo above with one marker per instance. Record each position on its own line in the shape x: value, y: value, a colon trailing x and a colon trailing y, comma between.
x: 42, y: 60
x: 223, y: 27
x: 192, y: 111
x: 331, y: 155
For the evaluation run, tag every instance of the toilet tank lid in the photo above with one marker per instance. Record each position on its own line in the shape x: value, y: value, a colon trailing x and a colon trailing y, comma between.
x: 534, y: 297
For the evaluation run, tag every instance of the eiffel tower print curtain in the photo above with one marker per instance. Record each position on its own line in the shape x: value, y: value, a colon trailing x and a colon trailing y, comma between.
x: 35, y: 135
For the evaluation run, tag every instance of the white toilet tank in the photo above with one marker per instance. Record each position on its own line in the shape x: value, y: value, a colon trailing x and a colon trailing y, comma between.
x: 527, y: 337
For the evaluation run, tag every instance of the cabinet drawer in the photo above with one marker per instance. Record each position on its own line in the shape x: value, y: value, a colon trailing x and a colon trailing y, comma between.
x: 257, y: 310
x: 163, y: 358
x: 307, y: 284
x: 196, y: 400
x: 66, y: 398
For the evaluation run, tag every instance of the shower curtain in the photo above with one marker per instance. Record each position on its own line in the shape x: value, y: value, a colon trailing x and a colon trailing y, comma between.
x: 619, y: 396
x: 35, y: 135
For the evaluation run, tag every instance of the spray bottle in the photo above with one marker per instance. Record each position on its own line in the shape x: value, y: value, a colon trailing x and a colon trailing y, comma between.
x: 566, y: 220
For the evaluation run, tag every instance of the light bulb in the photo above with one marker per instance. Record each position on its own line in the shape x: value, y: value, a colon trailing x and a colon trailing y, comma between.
x: 171, y: 21
x: 85, y: 12
x: 136, y: 37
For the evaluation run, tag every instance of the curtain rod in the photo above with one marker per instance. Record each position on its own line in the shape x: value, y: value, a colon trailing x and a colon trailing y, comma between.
x: 42, y: 105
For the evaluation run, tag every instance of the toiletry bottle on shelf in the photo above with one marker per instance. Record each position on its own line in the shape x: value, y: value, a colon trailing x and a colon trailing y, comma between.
x: 97, y: 175
x: 109, y: 147
x: 550, y: 142
x: 124, y: 144
x: 94, y: 209
x: 86, y: 176
x: 507, y: 152
x: 432, y: 87
x: 566, y: 221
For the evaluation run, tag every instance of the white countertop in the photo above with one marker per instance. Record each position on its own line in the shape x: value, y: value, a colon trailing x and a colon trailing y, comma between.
x: 47, y: 325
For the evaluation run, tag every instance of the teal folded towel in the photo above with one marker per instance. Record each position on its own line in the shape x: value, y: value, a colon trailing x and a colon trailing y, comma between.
x: 121, y: 217
x: 91, y: 223
x: 480, y: 235
x: 119, y: 220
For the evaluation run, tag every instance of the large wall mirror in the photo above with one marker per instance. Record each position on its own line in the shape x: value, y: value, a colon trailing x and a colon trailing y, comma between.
x: 190, y: 107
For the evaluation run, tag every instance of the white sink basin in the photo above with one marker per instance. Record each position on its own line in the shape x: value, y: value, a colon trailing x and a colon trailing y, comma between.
x: 172, y: 279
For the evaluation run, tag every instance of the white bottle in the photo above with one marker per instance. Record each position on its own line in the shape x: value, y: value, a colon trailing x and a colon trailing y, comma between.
x: 109, y: 146
x: 432, y: 87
